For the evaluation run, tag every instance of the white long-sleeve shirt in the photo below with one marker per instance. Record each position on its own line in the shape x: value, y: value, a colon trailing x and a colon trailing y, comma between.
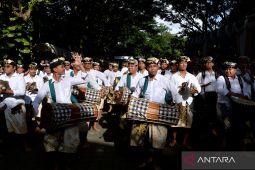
x: 145, y: 73
x: 98, y: 75
x: 177, y: 80
x: 222, y: 89
x: 90, y: 79
x: 107, y: 74
x: 209, y: 77
x: 16, y: 83
x: 133, y: 83
x: 39, y: 83
x: 62, y: 90
x: 157, y: 89
x: 113, y: 75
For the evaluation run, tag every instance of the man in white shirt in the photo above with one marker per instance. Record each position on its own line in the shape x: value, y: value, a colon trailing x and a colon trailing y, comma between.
x: 67, y: 140
x: 142, y: 67
x: 33, y: 83
x: 20, y: 69
x: 130, y: 79
x: 124, y: 68
x: 47, y: 73
x: 12, y: 97
x: 88, y: 63
x: 207, y: 79
x: 229, y: 85
x: 115, y: 75
x: 186, y: 87
x: 164, y: 67
x: 96, y: 66
x: 108, y: 72
x: 159, y: 87
x: 68, y: 69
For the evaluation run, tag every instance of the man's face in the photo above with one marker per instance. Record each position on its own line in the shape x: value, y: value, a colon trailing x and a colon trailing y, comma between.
x: 20, y: 70
x: 164, y: 66
x: 141, y: 65
x: 9, y: 69
x: 60, y: 69
x: 174, y: 67
x: 47, y: 69
x: 87, y: 65
x: 115, y: 68
x: 32, y: 72
x: 110, y: 67
x: 182, y: 66
x: 231, y: 72
x: 96, y: 68
x: 153, y: 69
x: 67, y: 66
x: 132, y: 68
x: 209, y: 65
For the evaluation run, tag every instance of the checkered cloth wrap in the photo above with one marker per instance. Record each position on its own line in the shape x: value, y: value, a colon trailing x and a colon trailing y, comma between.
x: 56, y: 115
x: 92, y: 96
x: 143, y: 110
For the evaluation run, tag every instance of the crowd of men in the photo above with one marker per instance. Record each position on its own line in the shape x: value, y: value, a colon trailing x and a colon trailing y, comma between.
x: 159, y: 80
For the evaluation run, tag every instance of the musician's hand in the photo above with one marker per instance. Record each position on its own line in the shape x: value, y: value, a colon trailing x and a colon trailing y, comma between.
x: 77, y: 57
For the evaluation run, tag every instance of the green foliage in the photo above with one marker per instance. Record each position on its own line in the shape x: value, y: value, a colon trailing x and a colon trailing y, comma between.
x: 16, y: 28
x: 158, y: 42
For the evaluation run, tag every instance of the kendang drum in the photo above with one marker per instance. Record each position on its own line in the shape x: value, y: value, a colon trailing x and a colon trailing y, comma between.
x: 58, y: 115
x: 122, y: 96
x: 143, y: 110
x: 242, y: 105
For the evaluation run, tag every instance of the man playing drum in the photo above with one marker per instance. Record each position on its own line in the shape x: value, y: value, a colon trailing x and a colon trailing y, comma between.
x: 13, y: 97
x: 58, y: 90
x: 124, y: 88
x: 156, y: 88
x: 229, y: 85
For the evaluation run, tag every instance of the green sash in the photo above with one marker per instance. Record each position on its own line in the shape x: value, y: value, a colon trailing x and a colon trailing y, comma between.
x: 145, y: 85
x: 129, y: 81
x: 52, y: 91
x: 72, y: 74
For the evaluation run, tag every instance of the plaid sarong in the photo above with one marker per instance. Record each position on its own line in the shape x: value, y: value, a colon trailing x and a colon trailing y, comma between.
x: 143, y: 110
x: 56, y: 115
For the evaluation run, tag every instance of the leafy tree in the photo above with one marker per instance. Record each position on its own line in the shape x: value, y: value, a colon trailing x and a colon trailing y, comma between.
x: 16, y: 28
x: 199, y: 18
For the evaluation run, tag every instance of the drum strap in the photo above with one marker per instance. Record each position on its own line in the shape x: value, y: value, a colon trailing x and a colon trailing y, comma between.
x: 145, y: 85
x: 52, y: 91
x: 128, y: 81
x: 73, y: 98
